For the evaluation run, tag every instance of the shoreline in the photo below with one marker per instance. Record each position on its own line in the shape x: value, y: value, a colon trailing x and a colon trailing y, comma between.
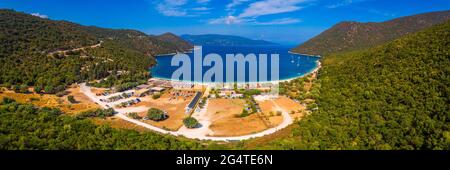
x: 315, y: 69
x: 182, y: 52
x: 309, y: 55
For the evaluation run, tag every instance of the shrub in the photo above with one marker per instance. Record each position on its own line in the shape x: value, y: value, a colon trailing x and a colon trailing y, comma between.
x: 190, y: 122
x: 279, y: 113
x: 34, y: 99
x: 156, y: 114
x: 8, y: 100
x: 15, y: 88
x: 71, y: 99
x: 37, y: 89
x: 24, y: 89
x: 49, y: 89
x: 61, y: 93
x: 156, y: 96
x: 134, y: 115
x: 244, y: 113
x: 97, y: 113
x: 311, y: 106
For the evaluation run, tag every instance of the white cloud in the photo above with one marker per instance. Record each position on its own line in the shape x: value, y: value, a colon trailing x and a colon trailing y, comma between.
x: 228, y: 20
x: 175, y: 2
x: 39, y: 15
x: 201, y: 9
x: 235, y: 3
x: 282, y: 21
x: 343, y: 3
x: 268, y: 7
x: 172, y: 7
x: 182, y: 8
x: 168, y: 10
x: 251, y: 21
x: 261, y: 8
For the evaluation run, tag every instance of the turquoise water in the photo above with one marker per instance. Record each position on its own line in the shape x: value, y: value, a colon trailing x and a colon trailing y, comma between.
x: 290, y: 65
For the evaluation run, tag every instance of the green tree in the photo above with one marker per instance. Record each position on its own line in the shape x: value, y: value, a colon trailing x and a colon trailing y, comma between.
x: 156, y: 114
x: 134, y: 115
x: 190, y: 122
x: 71, y: 99
x: 156, y: 96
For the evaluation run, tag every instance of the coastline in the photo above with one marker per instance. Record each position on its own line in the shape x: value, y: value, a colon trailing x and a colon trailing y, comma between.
x: 315, y: 69
x: 182, y: 52
x: 309, y: 55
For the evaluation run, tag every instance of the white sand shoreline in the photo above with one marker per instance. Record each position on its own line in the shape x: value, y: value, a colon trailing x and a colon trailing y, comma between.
x: 309, y: 55
x: 315, y: 69
x: 318, y: 66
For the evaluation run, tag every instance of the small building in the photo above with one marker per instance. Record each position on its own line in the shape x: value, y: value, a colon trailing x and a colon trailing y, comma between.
x: 237, y: 95
x: 142, y: 92
x: 222, y: 94
x: 193, y: 102
x: 142, y: 86
x: 157, y: 89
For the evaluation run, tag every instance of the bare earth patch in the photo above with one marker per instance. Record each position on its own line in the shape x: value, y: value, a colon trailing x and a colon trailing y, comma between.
x: 222, y: 114
x: 119, y: 123
x: 290, y: 106
x: 83, y: 102
x: 52, y: 101
x: 96, y: 90
x: 269, y: 112
x: 173, y: 107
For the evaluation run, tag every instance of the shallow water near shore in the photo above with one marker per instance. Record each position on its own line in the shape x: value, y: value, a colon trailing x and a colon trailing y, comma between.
x: 290, y: 65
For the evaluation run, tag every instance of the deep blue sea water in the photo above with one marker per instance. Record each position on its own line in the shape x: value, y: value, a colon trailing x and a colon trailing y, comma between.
x: 291, y: 65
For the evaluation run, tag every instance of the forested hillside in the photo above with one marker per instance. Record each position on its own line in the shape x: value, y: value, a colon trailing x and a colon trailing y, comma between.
x: 347, y: 36
x: 172, y: 38
x: 30, y: 53
x: 27, y: 127
x: 147, y: 44
x: 395, y: 96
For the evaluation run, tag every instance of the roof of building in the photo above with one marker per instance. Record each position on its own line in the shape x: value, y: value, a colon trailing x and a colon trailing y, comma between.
x: 195, y: 100
x: 157, y: 89
x: 143, y: 86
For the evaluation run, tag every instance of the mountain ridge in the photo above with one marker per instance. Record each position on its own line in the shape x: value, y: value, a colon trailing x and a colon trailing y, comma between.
x: 223, y: 40
x: 174, y: 39
x: 352, y: 35
x: 30, y: 53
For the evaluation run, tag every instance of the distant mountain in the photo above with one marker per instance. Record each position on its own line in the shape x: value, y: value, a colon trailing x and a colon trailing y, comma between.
x: 347, y: 36
x: 223, y: 40
x: 172, y: 38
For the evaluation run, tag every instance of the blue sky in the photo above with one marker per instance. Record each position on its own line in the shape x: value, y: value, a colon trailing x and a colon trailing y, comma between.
x: 282, y: 21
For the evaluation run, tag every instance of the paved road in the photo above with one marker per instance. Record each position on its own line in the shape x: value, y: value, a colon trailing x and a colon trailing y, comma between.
x: 189, y: 133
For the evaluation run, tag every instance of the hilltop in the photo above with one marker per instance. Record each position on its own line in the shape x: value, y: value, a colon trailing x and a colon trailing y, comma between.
x: 174, y: 39
x: 348, y: 36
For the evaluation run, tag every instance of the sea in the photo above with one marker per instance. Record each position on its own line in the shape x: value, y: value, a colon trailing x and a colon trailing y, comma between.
x: 290, y: 65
